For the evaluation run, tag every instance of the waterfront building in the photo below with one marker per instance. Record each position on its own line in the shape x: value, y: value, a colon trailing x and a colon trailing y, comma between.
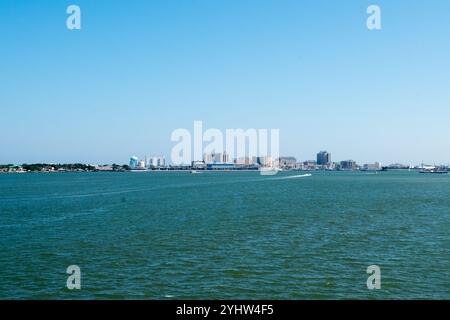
x: 134, y: 162
x: 323, y: 158
x: 217, y: 157
x: 287, y: 162
x: 348, y: 165
x: 243, y: 161
x: 220, y: 166
x: 330, y: 166
x: 310, y: 165
x: 141, y: 164
x: 265, y: 161
x: 372, y: 166
x: 299, y: 166
x: 225, y: 157
x: 156, y: 162
x: 207, y: 157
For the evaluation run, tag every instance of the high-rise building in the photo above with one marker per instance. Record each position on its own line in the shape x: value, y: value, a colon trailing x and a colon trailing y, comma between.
x: 141, y: 164
x: 217, y: 157
x: 207, y: 158
x: 225, y: 157
x: 323, y: 158
x: 134, y: 162
x: 243, y: 161
x: 157, y: 162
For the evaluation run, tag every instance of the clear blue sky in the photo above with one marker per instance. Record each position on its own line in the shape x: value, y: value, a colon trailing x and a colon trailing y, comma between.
x: 140, y: 69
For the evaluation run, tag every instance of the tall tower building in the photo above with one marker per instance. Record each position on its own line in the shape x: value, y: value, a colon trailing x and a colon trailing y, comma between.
x: 207, y: 158
x: 225, y: 157
x: 217, y: 157
x: 323, y: 158
x: 134, y: 162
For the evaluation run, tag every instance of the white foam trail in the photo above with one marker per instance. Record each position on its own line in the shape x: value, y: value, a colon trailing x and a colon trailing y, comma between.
x: 293, y: 177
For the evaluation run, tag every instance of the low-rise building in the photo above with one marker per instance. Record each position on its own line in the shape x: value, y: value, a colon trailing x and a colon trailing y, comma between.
x: 220, y: 166
x: 287, y: 162
x: 372, y: 166
x: 348, y: 165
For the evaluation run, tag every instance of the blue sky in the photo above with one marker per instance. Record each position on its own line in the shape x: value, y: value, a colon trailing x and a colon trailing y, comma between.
x: 137, y: 70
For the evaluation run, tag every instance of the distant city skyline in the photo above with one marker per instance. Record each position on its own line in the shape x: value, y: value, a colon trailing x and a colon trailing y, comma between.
x: 137, y: 70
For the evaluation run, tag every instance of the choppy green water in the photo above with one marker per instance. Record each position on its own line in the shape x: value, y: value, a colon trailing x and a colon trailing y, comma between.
x: 225, y: 235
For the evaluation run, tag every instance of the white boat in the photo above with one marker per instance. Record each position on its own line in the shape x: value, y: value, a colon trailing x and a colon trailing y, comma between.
x: 269, y: 171
x: 195, y: 171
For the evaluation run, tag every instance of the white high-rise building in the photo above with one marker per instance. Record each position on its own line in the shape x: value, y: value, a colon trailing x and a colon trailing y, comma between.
x: 244, y: 161
x: 156, y: 162
x: 217, y: 157
x: 207, y: 158
x: 141, y: 164
x: 225, y: 157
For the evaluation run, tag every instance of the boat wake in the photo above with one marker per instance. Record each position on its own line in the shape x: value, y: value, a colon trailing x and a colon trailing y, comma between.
x: 293, y: 177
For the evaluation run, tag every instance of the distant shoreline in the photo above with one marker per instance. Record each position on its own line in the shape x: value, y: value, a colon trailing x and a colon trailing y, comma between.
x: 214, y: 167
x: 196, y: 171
